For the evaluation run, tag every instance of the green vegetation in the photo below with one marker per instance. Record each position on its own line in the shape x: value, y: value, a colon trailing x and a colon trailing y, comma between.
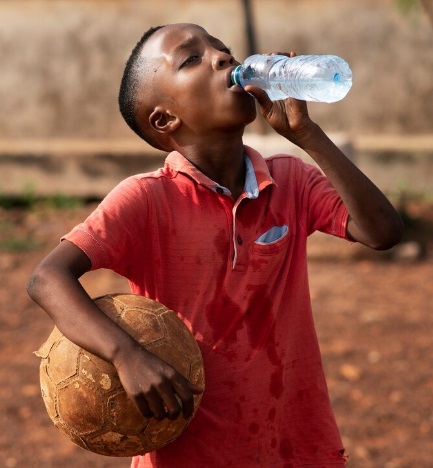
x: 28, y: 200
x: 16, y: 236
x: 11, y: 241
x: 406, y: 7
x: 18, y: 244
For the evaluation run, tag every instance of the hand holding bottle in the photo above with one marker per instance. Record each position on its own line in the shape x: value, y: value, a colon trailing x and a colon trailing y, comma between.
x: 289, y: 117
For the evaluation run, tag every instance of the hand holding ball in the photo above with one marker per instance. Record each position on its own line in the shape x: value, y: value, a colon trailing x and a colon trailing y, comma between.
x: 83, y: 394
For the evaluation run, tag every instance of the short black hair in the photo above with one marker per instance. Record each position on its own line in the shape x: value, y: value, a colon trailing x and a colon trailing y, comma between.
x: 129, y: 85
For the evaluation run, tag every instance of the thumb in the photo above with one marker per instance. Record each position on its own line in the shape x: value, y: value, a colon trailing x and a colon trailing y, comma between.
x: 195, y: 389
x: 260, y: 95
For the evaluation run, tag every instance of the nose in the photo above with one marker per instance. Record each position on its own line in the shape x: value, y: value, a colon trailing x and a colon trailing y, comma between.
x: 222, y: 59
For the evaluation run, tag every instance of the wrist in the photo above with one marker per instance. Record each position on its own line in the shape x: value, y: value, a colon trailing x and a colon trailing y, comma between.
x: 124, y: 349
x: 308, y: 136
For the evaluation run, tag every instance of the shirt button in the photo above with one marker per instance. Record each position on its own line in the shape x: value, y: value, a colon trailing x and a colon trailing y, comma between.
x: 219, y: 190
x: 239, y: 239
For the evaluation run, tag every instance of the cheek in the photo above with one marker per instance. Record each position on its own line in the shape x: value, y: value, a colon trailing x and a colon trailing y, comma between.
x: 201, y: 106
x: 192, y: 85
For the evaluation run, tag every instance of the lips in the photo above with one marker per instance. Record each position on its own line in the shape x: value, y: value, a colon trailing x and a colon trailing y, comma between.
x: 228, y: 77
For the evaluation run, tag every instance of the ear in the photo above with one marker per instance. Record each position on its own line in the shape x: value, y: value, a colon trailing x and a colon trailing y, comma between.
x: 163, y: 121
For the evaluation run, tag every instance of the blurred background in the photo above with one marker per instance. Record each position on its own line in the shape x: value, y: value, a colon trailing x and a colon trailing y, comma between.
x: 62, y: 60
x: 64, y: 145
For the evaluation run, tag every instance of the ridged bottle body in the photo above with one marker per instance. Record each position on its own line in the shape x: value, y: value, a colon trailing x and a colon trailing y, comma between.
x: 320, y: 78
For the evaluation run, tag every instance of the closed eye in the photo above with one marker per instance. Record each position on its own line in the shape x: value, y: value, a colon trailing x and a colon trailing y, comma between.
x: 189, y: 60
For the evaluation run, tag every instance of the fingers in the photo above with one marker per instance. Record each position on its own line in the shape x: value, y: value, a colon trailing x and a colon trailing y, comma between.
x: 186, y: 395
x: 169, y: 401
x: 156, y: 388
x: 153, y: 406
x: 143, y: 407
x: 290, y: 54
x: 158, y: 406
x: 173, y: 406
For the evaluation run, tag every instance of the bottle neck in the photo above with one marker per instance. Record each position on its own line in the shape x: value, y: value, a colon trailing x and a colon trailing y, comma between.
x: 235, y: 76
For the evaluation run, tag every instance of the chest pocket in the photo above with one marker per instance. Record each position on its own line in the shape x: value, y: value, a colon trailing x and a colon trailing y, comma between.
x: 272, y: 241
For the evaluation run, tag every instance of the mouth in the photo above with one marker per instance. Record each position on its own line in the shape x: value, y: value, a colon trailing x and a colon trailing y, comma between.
x: 229, y: 77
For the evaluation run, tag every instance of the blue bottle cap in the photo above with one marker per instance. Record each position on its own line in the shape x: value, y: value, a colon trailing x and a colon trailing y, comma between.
x: 235, y: 76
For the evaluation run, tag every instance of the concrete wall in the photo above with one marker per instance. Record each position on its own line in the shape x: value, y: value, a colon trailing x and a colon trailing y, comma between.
x: 91, y: 168
x: 61, y: 60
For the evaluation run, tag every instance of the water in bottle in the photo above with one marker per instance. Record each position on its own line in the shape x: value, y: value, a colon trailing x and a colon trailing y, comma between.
x: 320, y: 78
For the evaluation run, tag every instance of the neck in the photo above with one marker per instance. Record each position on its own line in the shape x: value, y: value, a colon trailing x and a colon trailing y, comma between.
x: 223, y: 162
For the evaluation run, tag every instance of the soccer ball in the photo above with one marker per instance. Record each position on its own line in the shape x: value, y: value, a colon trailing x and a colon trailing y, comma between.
x: 83, y: 394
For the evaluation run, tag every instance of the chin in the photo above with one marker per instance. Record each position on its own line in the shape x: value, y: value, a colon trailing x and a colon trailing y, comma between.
x: 249, y: 113
x: 253, y: 115
x: 252, y: 119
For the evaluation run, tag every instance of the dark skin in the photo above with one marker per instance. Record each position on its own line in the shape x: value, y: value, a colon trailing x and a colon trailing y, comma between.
x: 186, y: 104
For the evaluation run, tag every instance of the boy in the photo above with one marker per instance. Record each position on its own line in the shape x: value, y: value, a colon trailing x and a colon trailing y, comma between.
x: 218, y: 235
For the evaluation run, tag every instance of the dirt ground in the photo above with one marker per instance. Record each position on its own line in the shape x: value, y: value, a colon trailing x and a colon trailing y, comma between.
x: 374, y: 319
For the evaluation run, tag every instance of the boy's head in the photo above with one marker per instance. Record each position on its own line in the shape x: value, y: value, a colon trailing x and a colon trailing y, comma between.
x: 176, y: 87
x: 130, y: 84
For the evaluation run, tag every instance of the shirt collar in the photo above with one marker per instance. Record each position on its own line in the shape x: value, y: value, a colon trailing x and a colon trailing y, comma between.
x: 257, y: 175
x: 251, y: 188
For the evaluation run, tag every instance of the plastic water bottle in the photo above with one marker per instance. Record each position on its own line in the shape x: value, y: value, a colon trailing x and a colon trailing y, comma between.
x: 320, y: 78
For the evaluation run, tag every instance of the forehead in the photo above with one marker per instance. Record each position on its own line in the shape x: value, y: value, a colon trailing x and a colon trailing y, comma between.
x: 173, y: 38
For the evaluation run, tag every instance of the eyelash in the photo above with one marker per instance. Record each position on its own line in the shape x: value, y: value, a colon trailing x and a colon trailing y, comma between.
x: 189, y: 60
x: 194, y: 57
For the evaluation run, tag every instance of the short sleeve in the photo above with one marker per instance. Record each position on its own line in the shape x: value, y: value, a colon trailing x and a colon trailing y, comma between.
x: 322, y: 208
x: 115, y: 231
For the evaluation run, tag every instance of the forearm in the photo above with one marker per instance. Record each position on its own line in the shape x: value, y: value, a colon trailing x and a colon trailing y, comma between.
x: 63, y: 298
x: 373, y: 220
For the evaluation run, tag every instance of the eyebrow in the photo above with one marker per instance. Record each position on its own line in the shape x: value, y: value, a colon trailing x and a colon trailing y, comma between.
x: 186, y: 44
x: 190, y: 41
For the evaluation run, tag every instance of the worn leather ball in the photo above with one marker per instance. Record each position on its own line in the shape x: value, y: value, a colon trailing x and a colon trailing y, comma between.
x: 83, y: 394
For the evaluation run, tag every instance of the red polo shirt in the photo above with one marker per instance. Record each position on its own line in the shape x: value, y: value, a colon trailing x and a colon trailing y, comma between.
x: 236, y: 273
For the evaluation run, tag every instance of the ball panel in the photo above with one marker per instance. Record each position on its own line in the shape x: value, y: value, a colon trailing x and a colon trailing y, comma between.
x: 123, y: 415
x: 75, y: 438
x: 114, y: 444
x: 123, y: 301
x: 63, y: 360
x: 45, y: 349
x: 179, y: 335
x: 143, y: 325
x: 79, y: 407
x: 160, y: 433
x: 48, y: 390
x: 97, y: 373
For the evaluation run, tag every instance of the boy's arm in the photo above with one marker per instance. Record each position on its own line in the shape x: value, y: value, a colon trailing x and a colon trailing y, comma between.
x: 149, y: 381
x: 373, y: 220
